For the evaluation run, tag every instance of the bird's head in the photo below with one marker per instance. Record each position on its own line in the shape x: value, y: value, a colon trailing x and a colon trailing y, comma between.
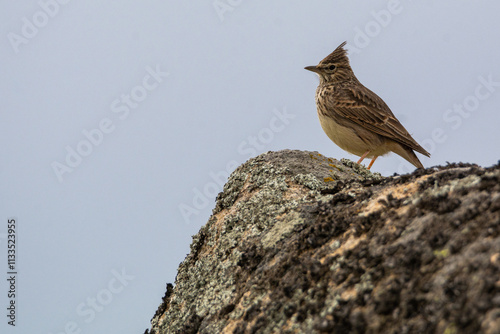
x: 335, y: 67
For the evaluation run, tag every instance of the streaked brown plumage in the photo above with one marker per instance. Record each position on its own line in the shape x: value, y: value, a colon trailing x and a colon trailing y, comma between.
x: 355, y: 118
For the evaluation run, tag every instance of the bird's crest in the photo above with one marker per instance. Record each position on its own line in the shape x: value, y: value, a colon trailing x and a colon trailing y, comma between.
x: 338, y: 56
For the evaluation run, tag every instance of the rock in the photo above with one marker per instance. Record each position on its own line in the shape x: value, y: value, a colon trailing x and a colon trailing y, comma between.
x: 300, y: 243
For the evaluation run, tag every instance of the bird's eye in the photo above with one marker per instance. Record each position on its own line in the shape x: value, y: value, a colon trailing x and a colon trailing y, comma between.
x: 331, y: 68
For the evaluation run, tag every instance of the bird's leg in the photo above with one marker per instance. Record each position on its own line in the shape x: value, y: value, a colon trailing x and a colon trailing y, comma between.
x: 363, y: 156
x: 371, y: 162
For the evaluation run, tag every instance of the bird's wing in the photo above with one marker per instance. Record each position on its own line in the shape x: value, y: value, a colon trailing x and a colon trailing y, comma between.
x: 363, y: 107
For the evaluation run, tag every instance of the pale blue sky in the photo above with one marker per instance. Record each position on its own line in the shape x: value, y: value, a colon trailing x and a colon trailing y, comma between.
x: 181, y: 93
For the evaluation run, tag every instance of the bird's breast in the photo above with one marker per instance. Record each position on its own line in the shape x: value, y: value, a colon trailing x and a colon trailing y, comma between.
x: 345, y: 137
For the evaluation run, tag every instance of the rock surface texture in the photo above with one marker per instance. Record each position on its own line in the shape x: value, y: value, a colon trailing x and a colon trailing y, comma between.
x: 300, y: 243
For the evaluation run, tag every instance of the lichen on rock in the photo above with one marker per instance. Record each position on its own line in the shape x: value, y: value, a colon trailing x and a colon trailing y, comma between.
x: 301, y: 243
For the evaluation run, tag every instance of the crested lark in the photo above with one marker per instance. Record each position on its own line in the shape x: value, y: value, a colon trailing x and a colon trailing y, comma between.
x: 355, y: 118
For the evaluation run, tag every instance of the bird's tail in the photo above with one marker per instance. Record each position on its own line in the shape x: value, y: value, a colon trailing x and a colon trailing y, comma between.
x: 412, y: 157
x: 408, y: 154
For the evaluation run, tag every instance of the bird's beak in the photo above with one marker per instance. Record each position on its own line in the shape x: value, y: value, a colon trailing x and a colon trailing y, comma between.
x: 312, y: 69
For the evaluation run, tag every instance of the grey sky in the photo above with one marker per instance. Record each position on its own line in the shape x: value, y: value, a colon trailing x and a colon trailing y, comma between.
x: 181, y: 93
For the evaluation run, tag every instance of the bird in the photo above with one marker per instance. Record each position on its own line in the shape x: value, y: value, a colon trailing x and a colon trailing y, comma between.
x: 357, y: 119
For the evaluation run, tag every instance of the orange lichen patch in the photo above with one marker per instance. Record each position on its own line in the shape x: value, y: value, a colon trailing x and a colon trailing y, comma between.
x: 397, y: 192
x: 230, y: 327
x: 350, y: 243
x: 273, y: 262
x: 402, y: 210
x: 495, y: 259
x: 288, y: 326
x: 334, y: 166
x: 220, y: 216
x: 328, y: 179
x: 349, y: 294
x: 263, y: 303
x: 243, y: 195
x: 294, y: 191
x: 163, y: 317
